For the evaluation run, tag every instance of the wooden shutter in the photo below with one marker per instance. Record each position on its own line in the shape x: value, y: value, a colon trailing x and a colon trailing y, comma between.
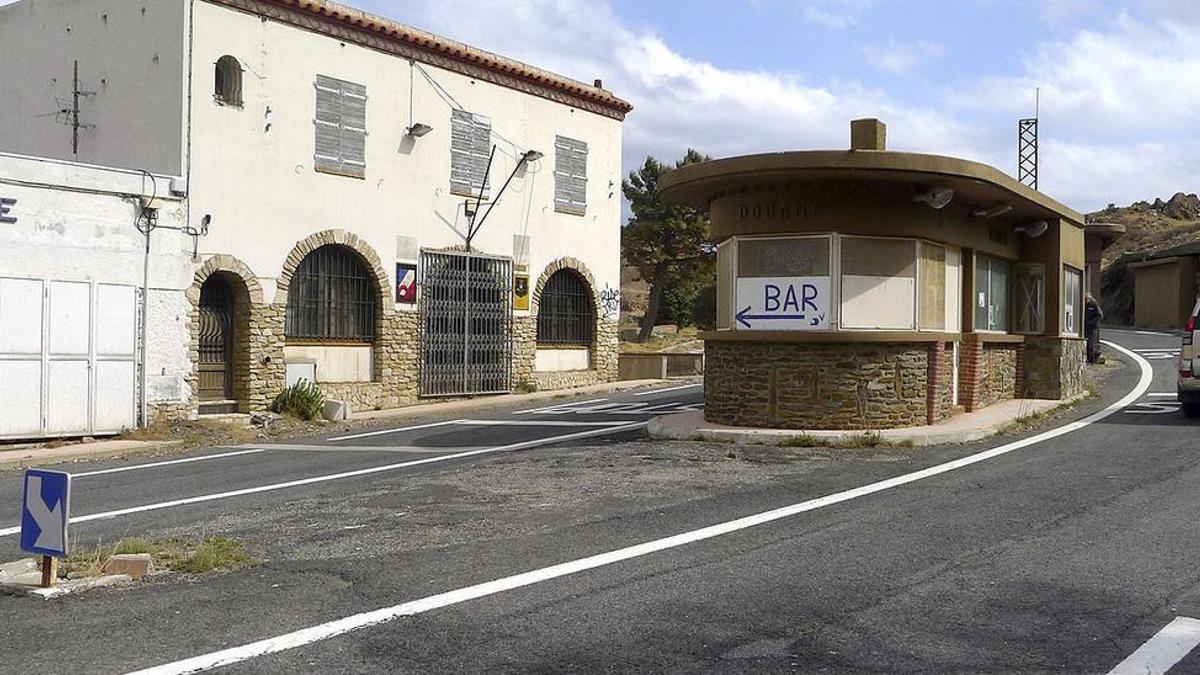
x: 570, y: 175
x: 341, y: 127
x: 470, y: 147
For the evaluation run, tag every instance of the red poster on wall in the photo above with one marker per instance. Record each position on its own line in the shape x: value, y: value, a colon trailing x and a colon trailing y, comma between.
x: 406, y: 284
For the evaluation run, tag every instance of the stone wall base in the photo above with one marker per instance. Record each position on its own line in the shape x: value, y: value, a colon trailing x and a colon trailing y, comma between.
x: 1054, y: 367
x: 835, y: 386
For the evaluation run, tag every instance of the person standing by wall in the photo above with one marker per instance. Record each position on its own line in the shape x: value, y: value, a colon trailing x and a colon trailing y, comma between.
x: 1091, y: 320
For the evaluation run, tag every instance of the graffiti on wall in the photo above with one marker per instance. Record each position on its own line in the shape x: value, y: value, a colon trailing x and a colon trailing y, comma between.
x: 610, y: 302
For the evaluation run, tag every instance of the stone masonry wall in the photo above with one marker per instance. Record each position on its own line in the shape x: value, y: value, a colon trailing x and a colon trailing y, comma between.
x: 997, y: 374
x: 1054, y: 367
x: 810, y: 386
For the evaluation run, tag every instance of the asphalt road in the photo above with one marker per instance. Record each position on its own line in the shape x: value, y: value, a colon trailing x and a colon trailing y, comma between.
x: 1063, y: 555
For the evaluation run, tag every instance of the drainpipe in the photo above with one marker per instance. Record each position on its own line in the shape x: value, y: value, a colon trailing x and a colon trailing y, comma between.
x: 143, y: 398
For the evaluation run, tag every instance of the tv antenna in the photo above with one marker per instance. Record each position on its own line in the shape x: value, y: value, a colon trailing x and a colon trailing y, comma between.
x: 1027, y: 144
x: 68, y: 111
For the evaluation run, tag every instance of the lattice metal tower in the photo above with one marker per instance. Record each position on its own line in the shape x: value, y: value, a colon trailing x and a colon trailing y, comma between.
x: 1027, y: 146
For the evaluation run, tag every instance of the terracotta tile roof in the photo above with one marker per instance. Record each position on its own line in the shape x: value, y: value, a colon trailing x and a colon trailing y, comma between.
x: 374, y: 31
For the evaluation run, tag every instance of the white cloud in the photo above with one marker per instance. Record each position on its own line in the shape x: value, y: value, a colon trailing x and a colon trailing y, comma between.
x: 901, y: 58
x: 1119, y: 105
x: 833, y: 14
x: 681, y: 102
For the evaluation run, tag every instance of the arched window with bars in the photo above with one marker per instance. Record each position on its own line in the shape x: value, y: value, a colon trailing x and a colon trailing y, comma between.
x: 566, y: 311
x: 227, y: 88
x: 332, y: 297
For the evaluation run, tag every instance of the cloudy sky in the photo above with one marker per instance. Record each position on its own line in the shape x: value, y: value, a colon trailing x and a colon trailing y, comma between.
x: 1120, y: 82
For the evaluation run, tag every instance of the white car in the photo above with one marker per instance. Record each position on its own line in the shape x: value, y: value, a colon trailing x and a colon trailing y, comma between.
x: 1189, y: 384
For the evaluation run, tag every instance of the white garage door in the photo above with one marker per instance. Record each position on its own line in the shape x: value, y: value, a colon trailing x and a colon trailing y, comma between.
x: 67, y: 358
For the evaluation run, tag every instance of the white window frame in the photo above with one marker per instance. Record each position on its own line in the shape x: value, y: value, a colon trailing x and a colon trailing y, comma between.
x: 1072, y: 328
x: 1014, y: 287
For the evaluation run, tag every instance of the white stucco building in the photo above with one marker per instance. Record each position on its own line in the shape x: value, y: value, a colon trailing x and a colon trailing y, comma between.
x: 72, y: 261
x: 340, y: 158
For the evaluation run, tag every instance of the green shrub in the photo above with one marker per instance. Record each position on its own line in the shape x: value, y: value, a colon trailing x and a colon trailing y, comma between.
x: 303, y: 399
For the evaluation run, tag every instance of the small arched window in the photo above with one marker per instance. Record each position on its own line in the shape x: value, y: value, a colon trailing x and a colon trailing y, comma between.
x: 228, y: 85
x: 566, y: 313
x: 332, y: 296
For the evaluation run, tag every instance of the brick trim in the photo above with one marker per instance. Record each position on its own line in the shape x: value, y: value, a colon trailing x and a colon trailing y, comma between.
x: 933, y: 389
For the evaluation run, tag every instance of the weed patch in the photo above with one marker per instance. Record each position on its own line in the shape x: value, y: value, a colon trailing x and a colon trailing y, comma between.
x: 213, y: 554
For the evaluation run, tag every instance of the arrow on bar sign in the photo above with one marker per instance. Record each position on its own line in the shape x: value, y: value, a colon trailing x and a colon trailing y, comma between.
x: 46, y: 512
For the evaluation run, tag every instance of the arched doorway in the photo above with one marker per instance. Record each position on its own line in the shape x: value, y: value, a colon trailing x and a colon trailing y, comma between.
x: 216, y: 338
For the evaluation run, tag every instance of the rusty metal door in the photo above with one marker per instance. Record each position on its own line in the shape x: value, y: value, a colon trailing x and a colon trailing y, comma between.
x: 216, y: 340
x: 466, y: 324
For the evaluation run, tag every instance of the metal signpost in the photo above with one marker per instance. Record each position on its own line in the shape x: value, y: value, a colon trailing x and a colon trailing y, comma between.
x: 45, y: 513
x: 782, y: 303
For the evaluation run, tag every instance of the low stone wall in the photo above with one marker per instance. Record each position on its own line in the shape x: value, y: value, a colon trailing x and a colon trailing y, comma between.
x: 360, y: 396
x: 1054, y: 367
x: 803, y: 385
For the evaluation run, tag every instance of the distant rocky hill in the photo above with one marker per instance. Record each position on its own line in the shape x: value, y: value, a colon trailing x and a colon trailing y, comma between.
x: 1149, y: 226
x: 1152, y: 225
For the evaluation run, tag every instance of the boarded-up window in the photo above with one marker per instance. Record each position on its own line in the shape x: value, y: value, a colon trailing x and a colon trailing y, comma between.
x: 791, y: 257
x: 570, y: 175
x: 470, y: 147
x: 341, y: 124
x: 933, y: 287
x: 879, y: 283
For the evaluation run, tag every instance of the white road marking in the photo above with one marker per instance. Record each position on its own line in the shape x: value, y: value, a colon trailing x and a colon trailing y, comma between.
x: 1150, y: 332
x: 284, y: 447
x: 542, y: 423
x: 306, y: 636
x: 663, y: 391
x: 6, y: 532
x: 1154, y: 408
x: 558, y: 405
x: 384, y: 432
x: 186, y: 460
x: 1161, y: 652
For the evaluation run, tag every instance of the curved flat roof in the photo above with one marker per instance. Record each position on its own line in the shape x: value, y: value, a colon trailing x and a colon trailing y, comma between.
x: 696, y: 185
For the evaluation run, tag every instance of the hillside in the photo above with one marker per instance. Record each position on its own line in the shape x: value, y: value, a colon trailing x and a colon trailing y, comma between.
x: 1152, y: 225
x: 1149, y: 226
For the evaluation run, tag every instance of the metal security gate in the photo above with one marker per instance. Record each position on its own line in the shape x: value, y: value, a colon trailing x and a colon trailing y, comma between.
x: 466, y: 324
x: 216, y: 340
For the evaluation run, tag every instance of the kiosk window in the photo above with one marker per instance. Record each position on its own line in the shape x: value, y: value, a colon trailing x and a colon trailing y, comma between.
x: 991, y: 293
x: 793, y: 257
x: 1072, y: 301
x: 933, y: 286
x: 879, y: 283
x: 1031, y: 299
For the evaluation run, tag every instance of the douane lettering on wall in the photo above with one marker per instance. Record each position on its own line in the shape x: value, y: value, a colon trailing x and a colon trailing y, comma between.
x: 6, y: 205
x: 782, y: 303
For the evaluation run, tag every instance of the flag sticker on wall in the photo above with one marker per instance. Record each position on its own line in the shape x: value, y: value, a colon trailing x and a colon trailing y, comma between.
x: 406, y: 283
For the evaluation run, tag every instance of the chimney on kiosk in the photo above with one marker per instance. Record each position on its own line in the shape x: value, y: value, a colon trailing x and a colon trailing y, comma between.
x: 868, y: 134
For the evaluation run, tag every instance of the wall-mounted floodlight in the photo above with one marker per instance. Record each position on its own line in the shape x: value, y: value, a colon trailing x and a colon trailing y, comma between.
x: 1033, y: 229
x: 418, y: 130
x: 469, y: 208
x: 937, y: 198
x: 532, y: 156
x: 993, y: 211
